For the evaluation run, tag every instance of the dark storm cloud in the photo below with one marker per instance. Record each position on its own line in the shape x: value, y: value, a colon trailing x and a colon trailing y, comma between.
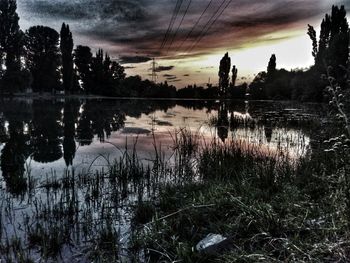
x: 133, y: 59
x: 175, y: 80
x: 164, y: 68
x: 138, y: 26
x: 118, y: 10
x: 169, y: 76
x: 65, y: 10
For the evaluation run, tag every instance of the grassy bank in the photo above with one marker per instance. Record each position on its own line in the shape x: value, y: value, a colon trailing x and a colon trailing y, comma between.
x: 271, y: 207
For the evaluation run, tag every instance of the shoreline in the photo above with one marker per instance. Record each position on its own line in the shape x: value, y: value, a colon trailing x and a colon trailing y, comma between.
x: 98, y: 97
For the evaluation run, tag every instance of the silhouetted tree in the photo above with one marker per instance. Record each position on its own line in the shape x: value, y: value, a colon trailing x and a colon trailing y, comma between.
x: 107, y: 75
x: 333, y: 46
x: 312, y: 34
x: 258, y: 86
x: 97, y: 72
x: 239, y: 92
x: 10, y: 34
x: 271, y: 68
x: 83, y: 61
x: 224, y: 74
x: 113, y: 75
x: 117, y: 71
x: 234, y: 76
x: 191, y: 92
x: 43, y: 58
x: 11, y: 49
x: 66, y: 45
x: 278, y: 85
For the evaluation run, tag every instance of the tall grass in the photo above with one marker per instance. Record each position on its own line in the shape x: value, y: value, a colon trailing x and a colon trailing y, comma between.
x: 271, y: 207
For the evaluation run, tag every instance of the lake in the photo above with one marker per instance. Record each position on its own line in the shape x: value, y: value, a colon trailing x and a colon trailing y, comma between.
x: 56, y: 134
x: 45, y: 142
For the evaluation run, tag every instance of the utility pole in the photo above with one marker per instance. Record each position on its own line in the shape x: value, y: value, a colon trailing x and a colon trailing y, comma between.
x: 154, y: 70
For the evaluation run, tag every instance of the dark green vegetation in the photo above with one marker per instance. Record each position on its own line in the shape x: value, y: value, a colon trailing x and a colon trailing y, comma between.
x: 270, y: 206
x: 270, y: 209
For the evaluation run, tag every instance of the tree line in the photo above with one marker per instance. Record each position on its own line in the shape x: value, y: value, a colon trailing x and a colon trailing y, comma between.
x: 44, y: 60
x: 331, y: 58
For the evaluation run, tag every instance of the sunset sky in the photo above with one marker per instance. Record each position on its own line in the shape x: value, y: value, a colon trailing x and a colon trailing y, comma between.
x: 132, y: 31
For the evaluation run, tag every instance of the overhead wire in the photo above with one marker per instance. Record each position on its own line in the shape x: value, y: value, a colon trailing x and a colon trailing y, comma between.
x: 171, y: 24
x: 180, y: 24
x: 210, y: 23
x: 194, y: 26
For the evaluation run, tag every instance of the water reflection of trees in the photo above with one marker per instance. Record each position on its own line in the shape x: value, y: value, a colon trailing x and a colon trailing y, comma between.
x: 48, y: 130
x: 70, y: 118
x: 13, y: 157
x: 99, y: 118
x: 223, y: 122
x: 268, y: 116
x: 17, y: 148
x: 3, y: 136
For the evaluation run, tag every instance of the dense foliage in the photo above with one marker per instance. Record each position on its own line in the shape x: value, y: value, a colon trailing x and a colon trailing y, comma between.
x: 43, y: 60
x: 66, y: 46
x: 332, y: 49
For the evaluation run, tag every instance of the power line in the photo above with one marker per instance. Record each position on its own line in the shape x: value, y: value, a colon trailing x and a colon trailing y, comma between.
x: 170, y: 24
x: 206, y: 25
x: 177, y: 30
x: 209, y: 25
x: 194, y: 26
x: 223, y: 10
x: 172, y: 21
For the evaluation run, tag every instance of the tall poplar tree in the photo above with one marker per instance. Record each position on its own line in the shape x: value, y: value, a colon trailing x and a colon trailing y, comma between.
x: 66, y: 46
x: 224, y: 74
x: 332, y: 48
x: 13, y: 78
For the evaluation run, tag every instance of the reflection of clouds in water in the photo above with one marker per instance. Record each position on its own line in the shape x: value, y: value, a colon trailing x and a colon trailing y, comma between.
x: 292, y: 141
x: 100, y: 124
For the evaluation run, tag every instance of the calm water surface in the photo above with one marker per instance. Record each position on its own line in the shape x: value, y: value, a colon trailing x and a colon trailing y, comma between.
x: 42, y: 136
